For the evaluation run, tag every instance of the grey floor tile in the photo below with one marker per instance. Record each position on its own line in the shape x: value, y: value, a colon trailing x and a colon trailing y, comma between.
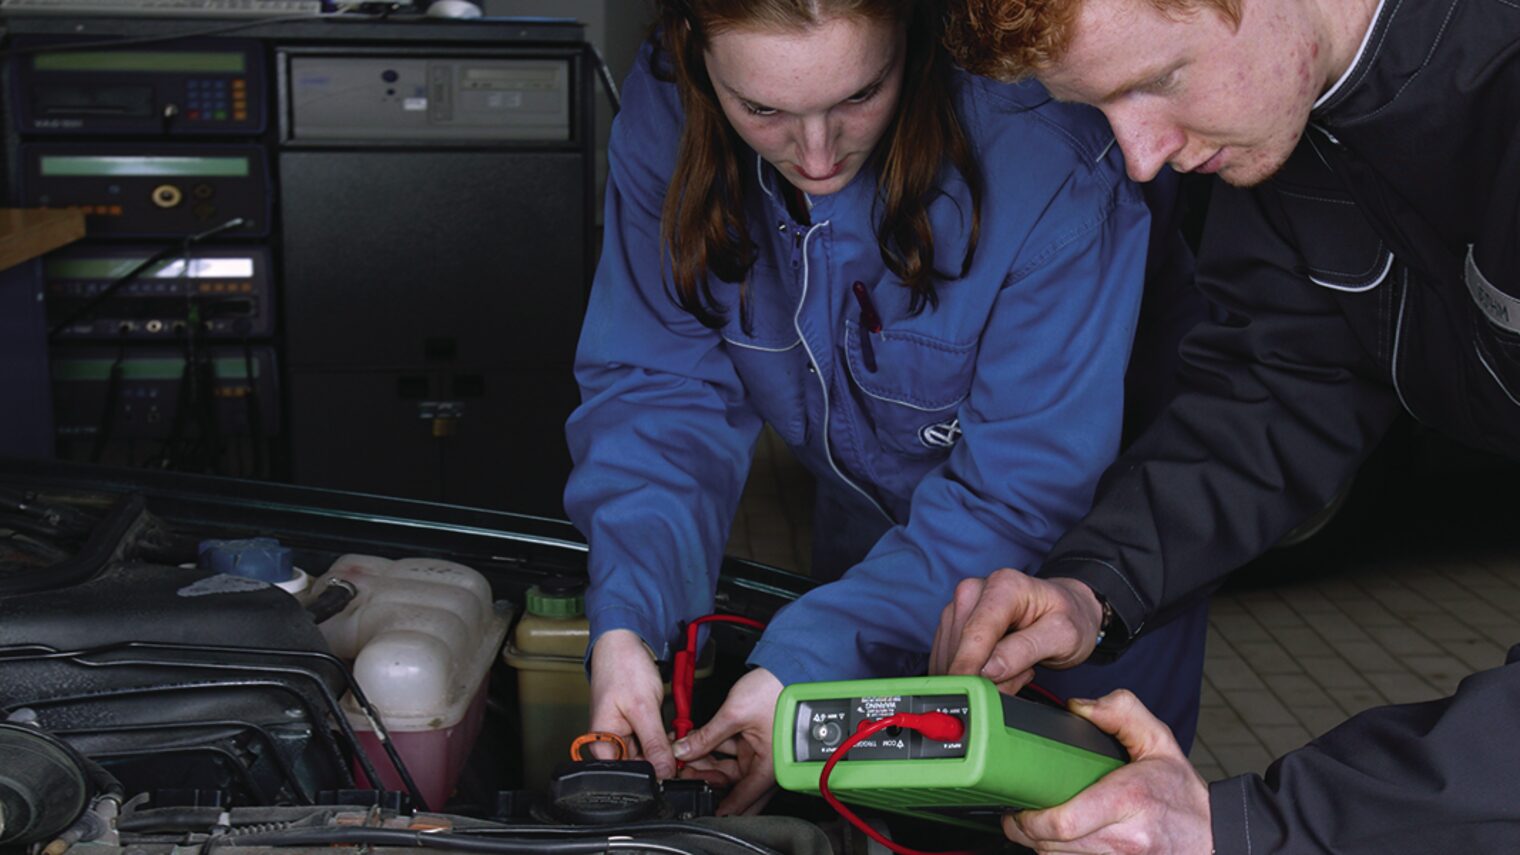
x: 1279, y: 739
x: 1403, y: 602
x: 1404, y: 640
x: 1340, y: 590
x: 1506, y: 600
x: 1211, y: 772
x: 1308, y: 602
x: 1230, y: 672
x: 1238, y: 627
x: 1404, y: 688
x: 1442, y: 671
x: 1353, y: 701
x: 1368, y: 612
x: 1303, y: 640
x: 1319, y: 719
x: 1477, y: 655
x: 1367, y: 657
x: 1437, y: 588
x: 1225, y: 604
x: 1479, y: 614
x: 1200, y: 755
x: 1337, y: 631
x: 1332, y: 672
x: 1296, y: 690
x: 1243, y: 759
x: 1273, y: 612
x: 1267, y: 657
x: 1505, y: 635
x: 1222, y: 726
x: 1257, y: 707
x: 1474, y: 576
x: 1209, y: 696
x: 1446, y: 627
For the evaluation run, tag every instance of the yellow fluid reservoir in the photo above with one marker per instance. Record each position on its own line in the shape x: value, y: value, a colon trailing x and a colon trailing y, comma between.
x: 548, y: 651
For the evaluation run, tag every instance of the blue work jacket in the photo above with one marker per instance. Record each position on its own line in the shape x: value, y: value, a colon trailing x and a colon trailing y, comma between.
x: 976, y: 429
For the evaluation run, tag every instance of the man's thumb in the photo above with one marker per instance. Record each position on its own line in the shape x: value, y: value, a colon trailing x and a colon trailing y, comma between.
x: 1122, y: 715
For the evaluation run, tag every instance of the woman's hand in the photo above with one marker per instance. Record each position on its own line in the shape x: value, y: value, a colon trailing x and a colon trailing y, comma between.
x: 626, y: 691
x: 741, y: 729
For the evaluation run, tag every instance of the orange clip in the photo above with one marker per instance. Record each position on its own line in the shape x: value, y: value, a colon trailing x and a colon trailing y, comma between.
x: 598, y: 736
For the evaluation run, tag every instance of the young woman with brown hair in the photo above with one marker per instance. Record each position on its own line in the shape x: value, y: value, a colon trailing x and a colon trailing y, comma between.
x: 926, y: 282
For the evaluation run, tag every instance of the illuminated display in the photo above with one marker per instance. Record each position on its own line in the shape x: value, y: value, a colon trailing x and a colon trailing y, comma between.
x: 64, y: 166
x: 112, y: 268
x: 187, y: 62
x: 512, y: 74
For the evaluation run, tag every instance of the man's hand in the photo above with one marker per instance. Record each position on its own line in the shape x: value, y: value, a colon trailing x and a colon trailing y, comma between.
x: 626, y: 691
x: 741, y: 729
x: 1158, y: 803
x: 1003, y: 626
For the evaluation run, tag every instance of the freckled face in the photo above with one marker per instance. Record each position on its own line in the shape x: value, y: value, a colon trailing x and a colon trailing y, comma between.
x: 812, y: 102
x: 1191, y: 91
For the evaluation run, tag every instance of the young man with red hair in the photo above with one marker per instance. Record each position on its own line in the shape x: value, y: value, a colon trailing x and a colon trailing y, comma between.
x: 1363, y: 252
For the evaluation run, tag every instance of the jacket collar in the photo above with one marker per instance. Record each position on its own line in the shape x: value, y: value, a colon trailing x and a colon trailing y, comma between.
x: 1357, y: 71
x: 1404, y: 39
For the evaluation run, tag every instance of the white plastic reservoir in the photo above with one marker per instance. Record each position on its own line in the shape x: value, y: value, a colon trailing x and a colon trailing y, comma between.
x: 422, y: 634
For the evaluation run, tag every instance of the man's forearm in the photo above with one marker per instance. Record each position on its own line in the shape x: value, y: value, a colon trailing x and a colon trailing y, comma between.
x: 1440, y: 776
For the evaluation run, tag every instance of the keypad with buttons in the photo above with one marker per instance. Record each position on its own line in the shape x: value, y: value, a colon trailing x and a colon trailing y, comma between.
x: 216, y: 99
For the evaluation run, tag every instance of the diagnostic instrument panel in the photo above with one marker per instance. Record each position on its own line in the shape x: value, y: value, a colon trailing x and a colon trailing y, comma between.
x: 224, y: 292
x: 153, y: 190
x: 173, y: 88
x: 440, y: 98
x: 143, y: 393
x: 1013, y: 753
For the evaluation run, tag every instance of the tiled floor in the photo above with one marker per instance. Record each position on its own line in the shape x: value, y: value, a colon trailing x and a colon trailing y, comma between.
x: 1430, y: 596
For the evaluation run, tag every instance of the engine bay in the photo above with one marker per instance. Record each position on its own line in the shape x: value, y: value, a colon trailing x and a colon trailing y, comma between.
x: 152, y: 702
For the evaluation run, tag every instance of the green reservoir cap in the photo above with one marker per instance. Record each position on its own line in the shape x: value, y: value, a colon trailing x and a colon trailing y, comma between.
x: 559, y: 597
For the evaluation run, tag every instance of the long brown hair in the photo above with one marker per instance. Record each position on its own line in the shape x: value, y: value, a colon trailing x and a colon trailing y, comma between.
x: 702, y: 226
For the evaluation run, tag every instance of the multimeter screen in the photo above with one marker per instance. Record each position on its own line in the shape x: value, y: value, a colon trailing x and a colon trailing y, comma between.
x: 821, y: 726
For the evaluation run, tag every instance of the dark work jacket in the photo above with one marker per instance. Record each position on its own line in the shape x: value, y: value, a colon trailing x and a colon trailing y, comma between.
x: 1435, y: 777
x: 1379, y: 269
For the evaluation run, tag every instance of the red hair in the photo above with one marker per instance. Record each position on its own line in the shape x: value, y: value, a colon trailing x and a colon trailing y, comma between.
x: 1012, y: 39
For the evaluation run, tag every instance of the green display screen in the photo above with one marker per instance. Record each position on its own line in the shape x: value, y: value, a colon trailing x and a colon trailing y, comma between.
x: 65, y: 166
x: 111, y: 268
x: 190, y: 62
x: 228, y: 368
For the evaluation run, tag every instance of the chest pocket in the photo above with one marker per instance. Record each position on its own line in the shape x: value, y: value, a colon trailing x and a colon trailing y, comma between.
x: 911, y: 397
x: 766, y: 353
x: 1339, y: 247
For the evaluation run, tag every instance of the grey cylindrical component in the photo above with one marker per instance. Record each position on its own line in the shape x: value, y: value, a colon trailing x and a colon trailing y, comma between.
x: 43, y: 787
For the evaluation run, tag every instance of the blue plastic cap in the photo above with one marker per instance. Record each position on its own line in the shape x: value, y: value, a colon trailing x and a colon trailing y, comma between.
x: 261, y: 558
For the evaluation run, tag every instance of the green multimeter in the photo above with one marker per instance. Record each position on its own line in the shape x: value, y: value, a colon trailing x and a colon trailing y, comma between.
x: 1014, y: 753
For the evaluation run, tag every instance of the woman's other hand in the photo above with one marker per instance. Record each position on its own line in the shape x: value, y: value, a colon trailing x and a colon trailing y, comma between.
x: 626, y: 691
x: 734, y: 749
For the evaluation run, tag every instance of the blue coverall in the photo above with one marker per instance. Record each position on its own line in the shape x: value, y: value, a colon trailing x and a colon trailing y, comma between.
x: 952, y: 442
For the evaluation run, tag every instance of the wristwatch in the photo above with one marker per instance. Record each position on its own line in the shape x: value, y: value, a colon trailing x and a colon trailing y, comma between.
x: 1105, y: 620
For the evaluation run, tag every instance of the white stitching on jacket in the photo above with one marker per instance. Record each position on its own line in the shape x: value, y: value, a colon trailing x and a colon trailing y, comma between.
x: 1490, y: 369
x: 1357, y: 289
x: 828, y: 453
